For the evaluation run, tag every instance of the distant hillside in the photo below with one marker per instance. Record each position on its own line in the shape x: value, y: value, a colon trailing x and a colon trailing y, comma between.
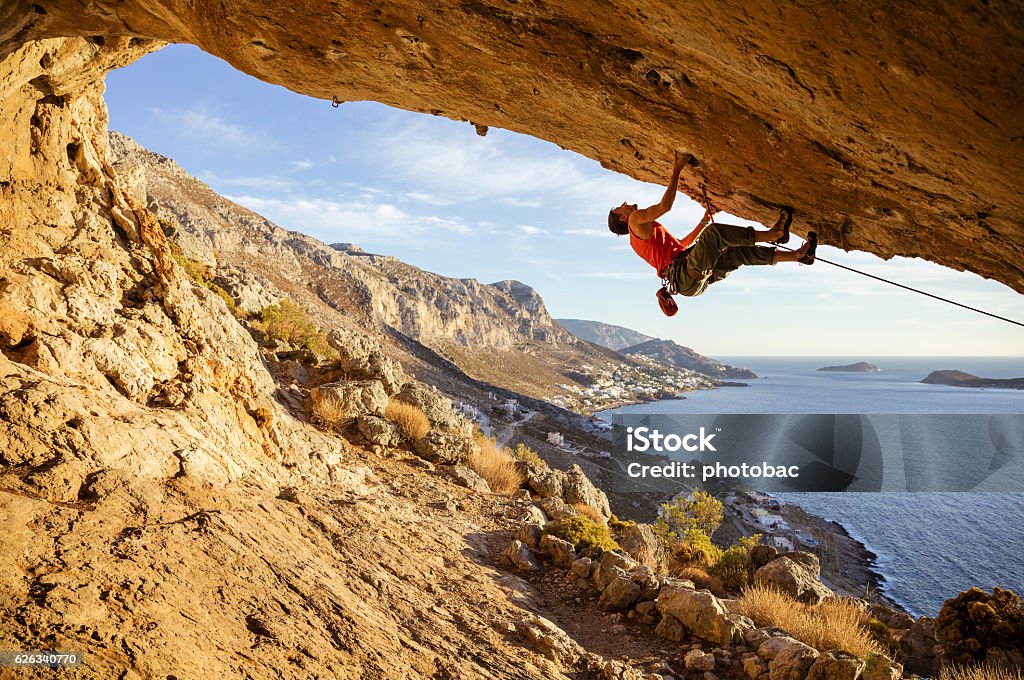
x: 604, y: 334
x: 961, y: 379
x: 669, y: 352
x: 859, y: 367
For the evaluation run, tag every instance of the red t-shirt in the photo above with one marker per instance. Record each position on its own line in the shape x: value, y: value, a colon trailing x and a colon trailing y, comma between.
x: 659, y: 249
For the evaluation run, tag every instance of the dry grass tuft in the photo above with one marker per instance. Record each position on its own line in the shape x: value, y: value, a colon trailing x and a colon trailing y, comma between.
x: 410, y: 419
x: 983, y: 672
x: 329, y: 412
x: 497, y: 466
x: 590, y: 512
x: 834, y: 623
x: 702, y: 580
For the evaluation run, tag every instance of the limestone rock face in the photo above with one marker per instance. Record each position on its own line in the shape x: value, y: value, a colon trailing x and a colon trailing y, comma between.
x: 888, y: 126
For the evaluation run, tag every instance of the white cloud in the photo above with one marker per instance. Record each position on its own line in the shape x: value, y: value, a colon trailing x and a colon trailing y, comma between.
x: 203, y: 124
x: 619, y: 276
x: 531, y: 230
x: 266, y: 183
x: 349, y: 220
x: 591, y: 233
x: 301, y: 165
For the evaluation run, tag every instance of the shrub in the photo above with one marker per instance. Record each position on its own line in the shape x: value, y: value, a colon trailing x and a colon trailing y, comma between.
x: 695, y: 550
x: 704, y: 513
x: 590, y: 512
x: 329, y: 412
x: 529, y: 456
x: 289, y: 322
x: 582, y: 532
x: 616, y: 524
x: 201, y: 274
x: 733, y: 567
x: 982, y: 672
x: 409, y: 418
x: 497, y: 466
x: 833, y: 623
x: 975, y: 621
x: 702, y: 580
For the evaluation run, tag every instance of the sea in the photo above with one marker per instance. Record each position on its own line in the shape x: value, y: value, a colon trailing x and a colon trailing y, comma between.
x: 930, y: 546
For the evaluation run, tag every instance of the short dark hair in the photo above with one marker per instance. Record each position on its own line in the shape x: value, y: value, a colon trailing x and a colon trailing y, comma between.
x: 616, y: 224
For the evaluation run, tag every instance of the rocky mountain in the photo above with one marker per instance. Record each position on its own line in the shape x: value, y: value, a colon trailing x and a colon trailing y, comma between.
x: 604, y: 334
x: 668, y: 352
x: 499, y: 332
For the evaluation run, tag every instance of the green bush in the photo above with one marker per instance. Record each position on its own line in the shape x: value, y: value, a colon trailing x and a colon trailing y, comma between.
x: 975, y: 621
x: 528, y: 455
x: 704, y: 513
x: 695, y: 549
x: 201, y: 274
x: 733, y: 567
x: 582, y: 532
x: 289, y: 322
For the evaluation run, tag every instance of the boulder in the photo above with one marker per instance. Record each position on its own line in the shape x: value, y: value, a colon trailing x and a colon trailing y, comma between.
x: 530, y: 534
x: 379, y: 431
x: 640, y: 541
x: 519, y: 557
x: 761, y: 555
x: 646, y: 613
x: 556, y: 508
x: 604, y: 573
x: 795, y: 574
x: 545, y: 482
x: 788, y: 659
x: 621, y: 593
x: 648, y: 581
x: 670, y: 628
x: 435, y: 406
x: 353, y: 398
x: 754, y: 666
x: 577, y: 488
x: 697, y: 660
x: 463, y: 476
x: 444, y: 447
x: 561, y: 552
x: 922, y: 653
x: 15, y: 325
x: 881, y: 667
x: 836, y: 665
x: 701, y: 613
x: 581, y: 568
x: 551, y: 641
x: 534, y: 515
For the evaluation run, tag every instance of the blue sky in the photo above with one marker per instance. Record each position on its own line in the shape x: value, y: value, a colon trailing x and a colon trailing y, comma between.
x: 433, y: 193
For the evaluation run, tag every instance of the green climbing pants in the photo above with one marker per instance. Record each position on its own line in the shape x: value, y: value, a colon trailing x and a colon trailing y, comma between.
x: 720, y: 250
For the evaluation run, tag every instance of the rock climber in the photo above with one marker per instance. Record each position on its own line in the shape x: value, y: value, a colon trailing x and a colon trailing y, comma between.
x: 707, y: 254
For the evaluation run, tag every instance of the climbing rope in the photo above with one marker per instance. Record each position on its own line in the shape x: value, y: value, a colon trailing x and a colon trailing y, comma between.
x: 915, y: 290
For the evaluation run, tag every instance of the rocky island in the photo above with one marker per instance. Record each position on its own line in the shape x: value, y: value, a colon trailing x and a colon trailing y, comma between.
x: 859, y: 367
x: 956, y: 378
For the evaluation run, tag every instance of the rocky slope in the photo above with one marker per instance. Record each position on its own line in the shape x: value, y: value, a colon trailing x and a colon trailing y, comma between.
x: 604, y: 334
x: 500, y: 333
x: 887, y: 126
x: 668, y: 352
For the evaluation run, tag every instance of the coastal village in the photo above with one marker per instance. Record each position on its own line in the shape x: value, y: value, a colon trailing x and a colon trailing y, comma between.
x: 641, y: 380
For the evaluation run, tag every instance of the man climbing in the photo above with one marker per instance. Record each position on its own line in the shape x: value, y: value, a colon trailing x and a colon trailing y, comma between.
x: 707, y: 254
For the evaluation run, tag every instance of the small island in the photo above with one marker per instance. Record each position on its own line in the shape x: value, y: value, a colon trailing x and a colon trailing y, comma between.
x: 956, y: 378
x: 859, y: 367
